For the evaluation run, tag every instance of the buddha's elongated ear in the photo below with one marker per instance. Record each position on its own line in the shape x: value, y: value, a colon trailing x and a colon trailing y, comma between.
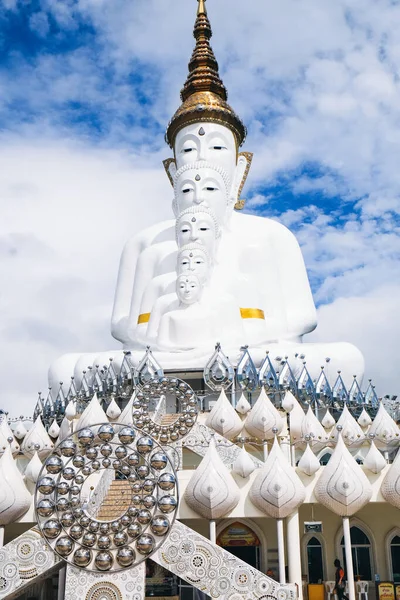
x: 170, y: 169
x: 242, y: 170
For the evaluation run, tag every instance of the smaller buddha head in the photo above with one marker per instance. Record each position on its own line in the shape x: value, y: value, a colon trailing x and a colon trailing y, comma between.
x: 193, y: 259
x: 197, y: 225
x: 188, y: 289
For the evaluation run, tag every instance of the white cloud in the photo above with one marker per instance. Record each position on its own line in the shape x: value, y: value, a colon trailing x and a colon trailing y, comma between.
x: 370, y: 322
x: 67, y: 210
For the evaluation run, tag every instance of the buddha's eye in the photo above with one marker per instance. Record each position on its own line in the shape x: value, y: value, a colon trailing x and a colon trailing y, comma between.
x: 186, y: 190
x: 210, y: 189
x: 185, y: 262
x: 218, y: 147
x: 199, y: 262
x: 186, y: 150
x: 204, y: 228
x: 185, y: 229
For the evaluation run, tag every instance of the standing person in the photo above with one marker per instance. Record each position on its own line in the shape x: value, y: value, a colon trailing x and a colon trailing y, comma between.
x: 340, y: 582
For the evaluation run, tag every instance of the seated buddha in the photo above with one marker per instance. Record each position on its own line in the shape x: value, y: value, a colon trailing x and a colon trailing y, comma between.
x: 256, y: 291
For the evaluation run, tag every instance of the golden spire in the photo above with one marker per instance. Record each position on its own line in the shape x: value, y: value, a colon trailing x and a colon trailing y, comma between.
x: 203, y: 94
x: 201, y: 9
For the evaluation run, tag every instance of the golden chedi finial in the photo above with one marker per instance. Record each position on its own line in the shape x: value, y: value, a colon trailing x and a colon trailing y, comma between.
x: 204, y: 96
x: 201, y: 9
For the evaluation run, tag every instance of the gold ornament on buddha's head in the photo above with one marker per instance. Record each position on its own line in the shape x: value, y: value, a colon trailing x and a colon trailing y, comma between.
x: 204, y: 96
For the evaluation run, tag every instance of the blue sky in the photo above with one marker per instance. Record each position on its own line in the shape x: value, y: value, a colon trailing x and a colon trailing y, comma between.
x: 86, y: 90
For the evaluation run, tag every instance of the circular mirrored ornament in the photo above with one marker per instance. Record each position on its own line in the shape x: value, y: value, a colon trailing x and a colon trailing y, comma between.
x: 117, y: 528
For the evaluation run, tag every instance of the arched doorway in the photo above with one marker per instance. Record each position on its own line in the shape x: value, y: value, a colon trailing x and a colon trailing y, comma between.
x: 241, y: 541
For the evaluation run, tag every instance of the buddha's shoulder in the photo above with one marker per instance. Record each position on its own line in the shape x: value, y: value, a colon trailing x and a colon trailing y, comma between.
x: 262, y: 225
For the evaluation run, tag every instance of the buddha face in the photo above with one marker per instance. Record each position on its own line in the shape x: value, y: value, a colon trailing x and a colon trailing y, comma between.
x: 188, y: 289
x: 193, y: 260
x: 196, y: 227
x: 202, y: 186
x: 210, y: 142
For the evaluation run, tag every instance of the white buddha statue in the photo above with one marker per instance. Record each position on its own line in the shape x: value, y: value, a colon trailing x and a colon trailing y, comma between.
x: 257, y: 292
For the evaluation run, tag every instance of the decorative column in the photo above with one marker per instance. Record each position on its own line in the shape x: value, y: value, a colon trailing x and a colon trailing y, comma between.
x: 278, y: 491
x: 281, y: 550
x: 344, y: 488
x: 294, y: 551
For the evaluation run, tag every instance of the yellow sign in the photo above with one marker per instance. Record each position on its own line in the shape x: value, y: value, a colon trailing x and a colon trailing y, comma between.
x: 386, y: 590
x: 397, y: 592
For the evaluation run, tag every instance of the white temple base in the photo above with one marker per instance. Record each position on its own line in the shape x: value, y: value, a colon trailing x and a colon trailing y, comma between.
x: 342, y: 357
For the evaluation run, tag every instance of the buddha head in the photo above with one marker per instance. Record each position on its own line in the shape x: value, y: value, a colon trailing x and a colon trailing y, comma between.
x: 188, y: 289
x: 205, y: 128
x: 197, y: 225
x: 193, y: 259
x: 202, y: 184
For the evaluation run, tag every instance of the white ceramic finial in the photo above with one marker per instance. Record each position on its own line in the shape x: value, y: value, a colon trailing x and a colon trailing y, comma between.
x: 20, y: 431
x: 384, y: 429
x: 212, y: 491
x: 343, y: 486
x: 54, y: 429
x: 309, y: 463
x: 15, y: 499
x: 33, y: 469
x: 243, y: 405
x: 328, y: 421
x: 244, y: 464
x: 374, y: 460
x: 70, y: 411
x: 277, y: 489
x: 352, y: 433
x: 37, y: 439
x: 390, y: 487
x: 224, y: 419
x: 263, y: 418
x: 364, y: 420
x: 312, y: 427
x: 5, y: 435
x: 92, y: 415
x: 113, y: 411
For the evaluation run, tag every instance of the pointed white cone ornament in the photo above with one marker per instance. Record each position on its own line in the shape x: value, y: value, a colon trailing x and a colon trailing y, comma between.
x: 390, y: 487
x: 244, y: 464
x: 92, y: 415
x: 328, y: 421
x: 364, y: 420
x: 212, y: 492
x: 54, y: 429
x: 70, y: 411
x: 33, y: 469
x: 374, y: 460
x: 65, y: 430
x: 309, y: 463
x: 263, y: 418
x: 126, y: 416
x: 311, y: 426
x: 224, y: 419
x: 15, y: 499
x: 7, y: 438
x: 243, y: 405
x: 384, y: 429
x: 351, y: 432
x: 296, y: 416
x: 20, y: 431
x: 343, y: 486
x: 113, y: 411
x: 277, y: 489
x: 37, y: 440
